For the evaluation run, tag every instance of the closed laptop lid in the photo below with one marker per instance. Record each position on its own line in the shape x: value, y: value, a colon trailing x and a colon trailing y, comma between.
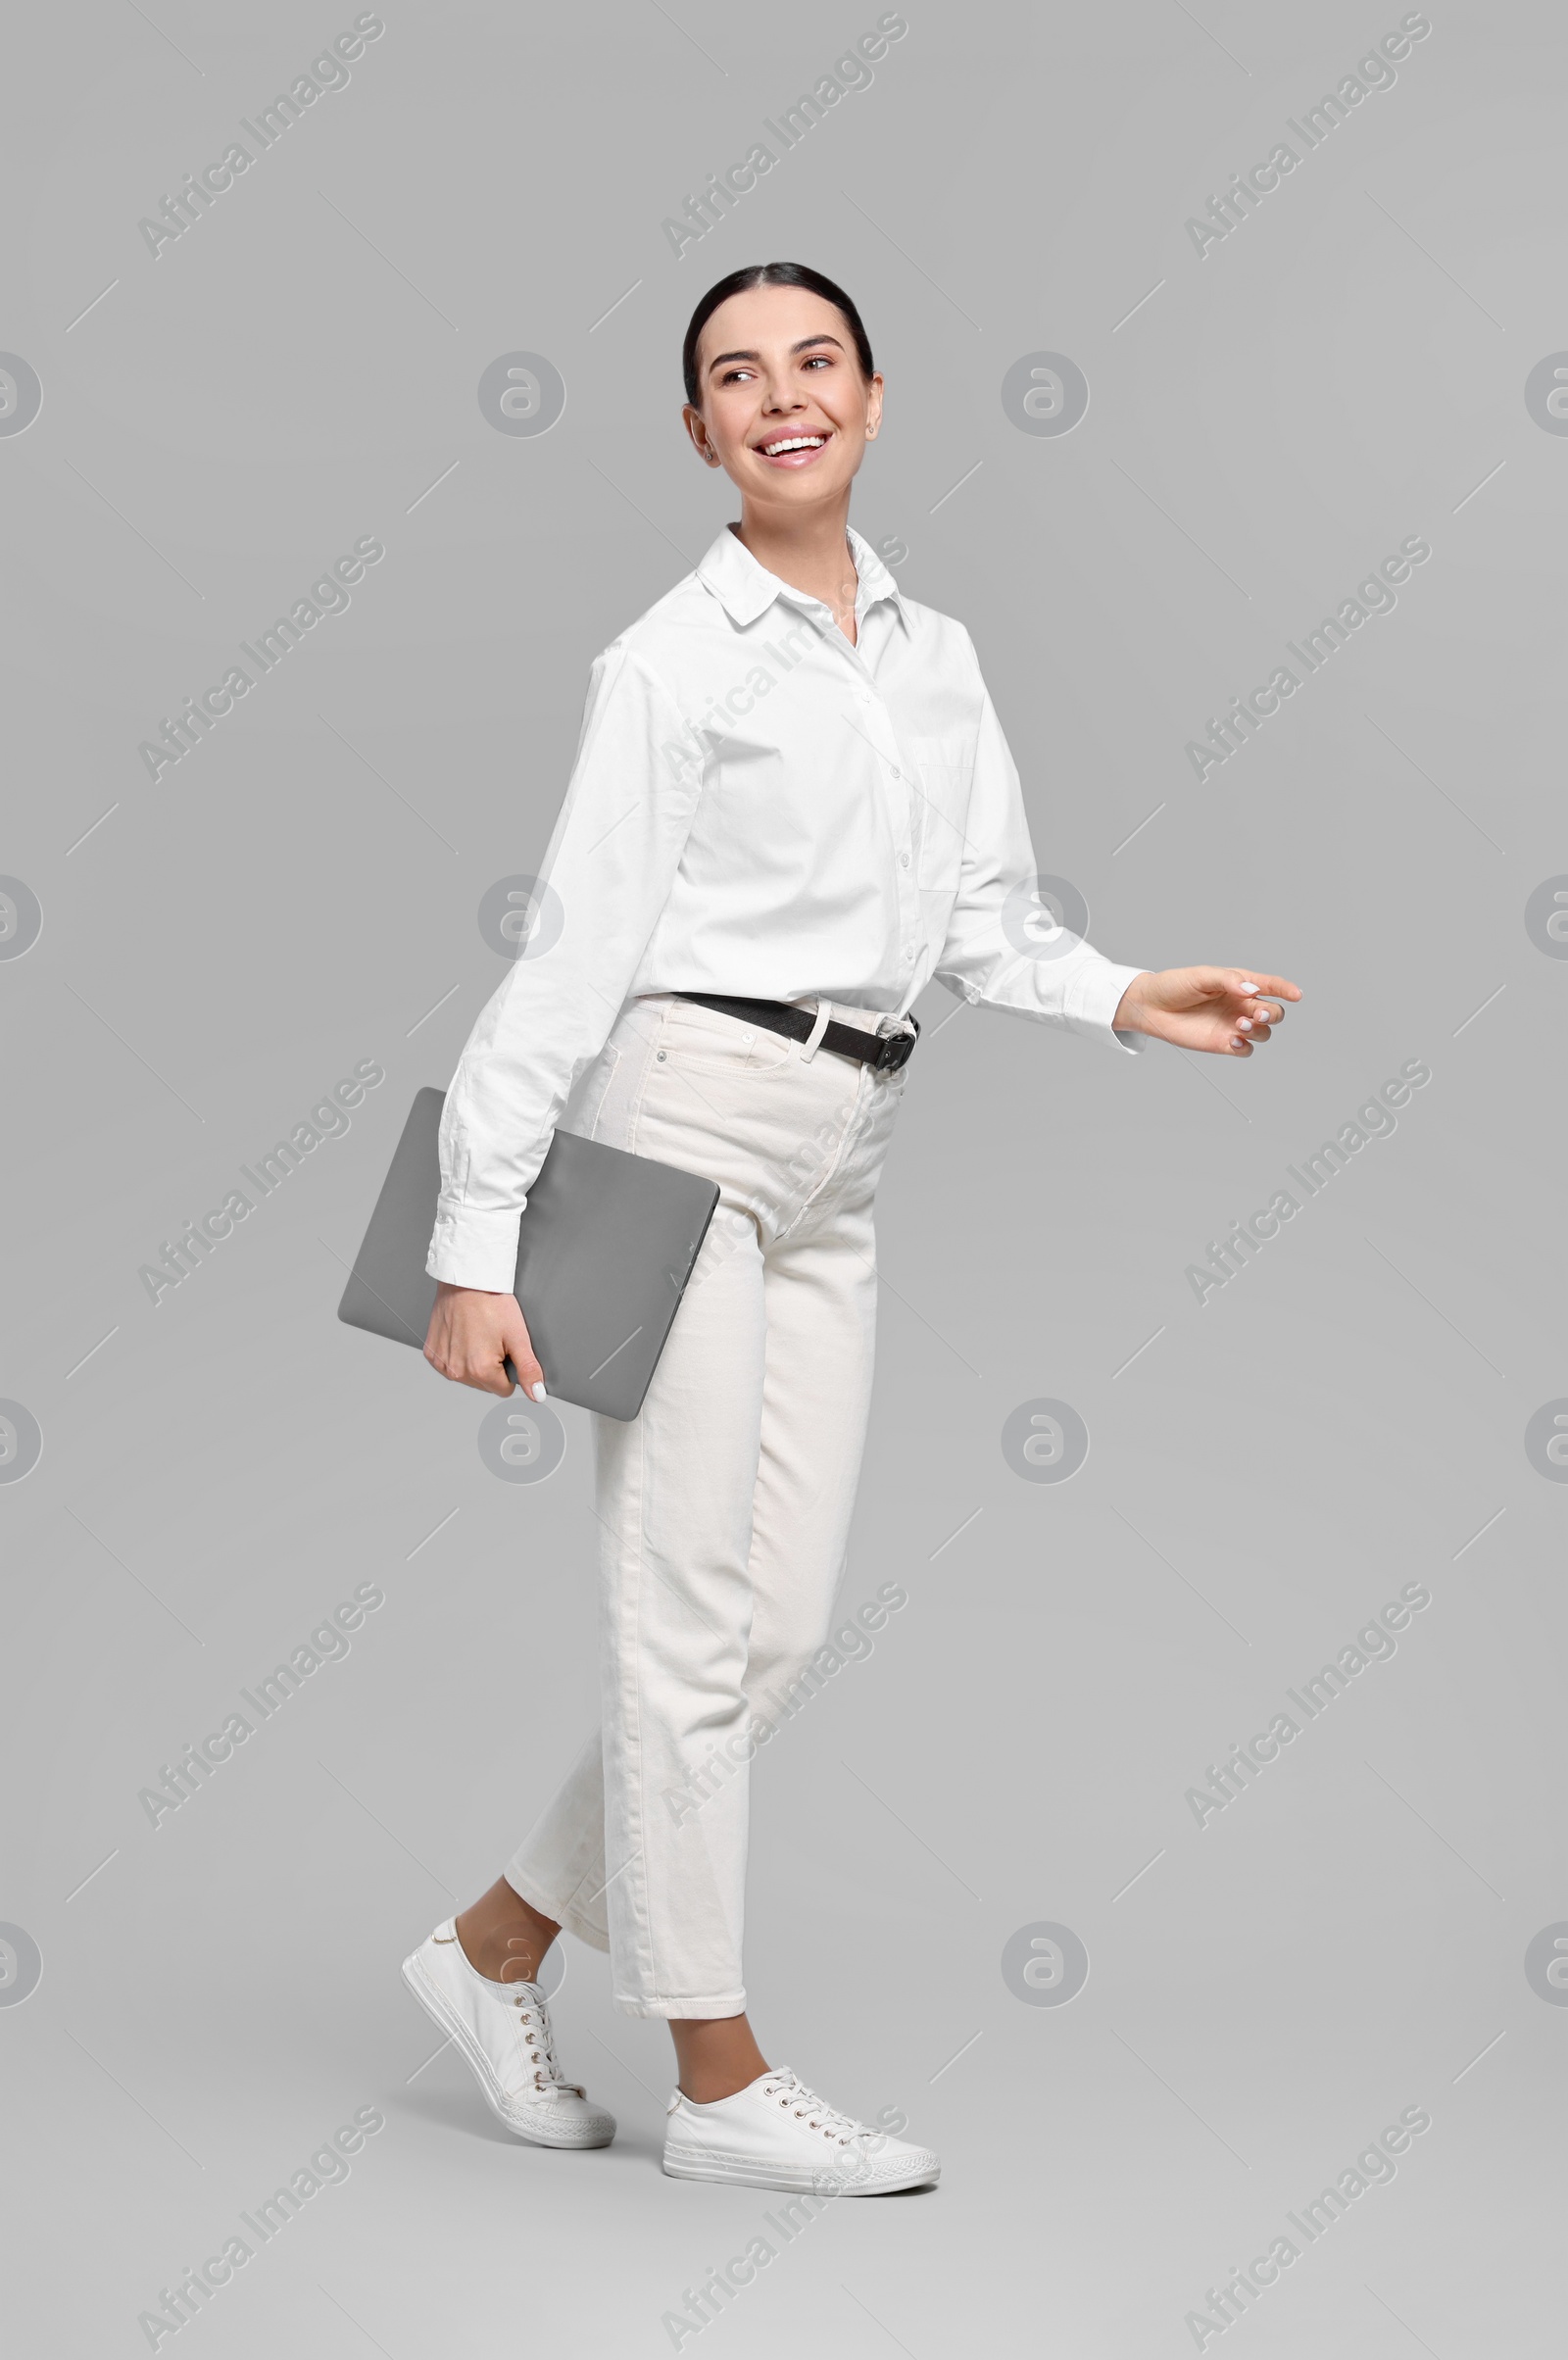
x: 606, y: 1246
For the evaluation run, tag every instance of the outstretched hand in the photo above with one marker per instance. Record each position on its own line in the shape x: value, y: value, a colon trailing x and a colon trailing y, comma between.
x: 1223, y: 1010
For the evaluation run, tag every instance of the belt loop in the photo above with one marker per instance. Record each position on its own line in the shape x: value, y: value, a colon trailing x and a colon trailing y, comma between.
x: 810, y: 1044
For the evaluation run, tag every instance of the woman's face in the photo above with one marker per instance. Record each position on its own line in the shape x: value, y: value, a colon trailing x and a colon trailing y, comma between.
x: 776, y: 366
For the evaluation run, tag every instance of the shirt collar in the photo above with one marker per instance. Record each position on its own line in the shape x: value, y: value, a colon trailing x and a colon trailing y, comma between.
x: 746, y: 589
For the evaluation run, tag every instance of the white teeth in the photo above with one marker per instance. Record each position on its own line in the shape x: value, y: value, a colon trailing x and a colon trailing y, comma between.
x: 796, y: 442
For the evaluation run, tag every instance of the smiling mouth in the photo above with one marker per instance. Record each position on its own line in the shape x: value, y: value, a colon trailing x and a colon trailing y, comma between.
x: 790, y: 450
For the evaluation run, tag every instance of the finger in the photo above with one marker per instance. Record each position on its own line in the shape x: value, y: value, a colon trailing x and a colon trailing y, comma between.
x: 517, y: 1343
x: 486, y: 1367
x: 477, y: 1364
x: 1276, y: 987
x: 1239, y: 1047
x: 1255, y: 1028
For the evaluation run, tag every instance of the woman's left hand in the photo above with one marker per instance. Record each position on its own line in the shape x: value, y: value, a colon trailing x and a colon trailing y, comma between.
x: 1221, y: 1009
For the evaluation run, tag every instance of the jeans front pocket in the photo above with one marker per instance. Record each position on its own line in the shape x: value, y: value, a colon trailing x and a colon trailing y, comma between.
x: 703, y: 1040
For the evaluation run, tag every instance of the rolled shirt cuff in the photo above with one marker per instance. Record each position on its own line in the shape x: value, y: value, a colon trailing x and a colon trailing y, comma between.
x: 1096, y: 1000
x: 474, y: 1248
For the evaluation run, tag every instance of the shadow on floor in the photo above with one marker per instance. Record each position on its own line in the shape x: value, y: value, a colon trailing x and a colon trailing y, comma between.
x: 464, y: 2111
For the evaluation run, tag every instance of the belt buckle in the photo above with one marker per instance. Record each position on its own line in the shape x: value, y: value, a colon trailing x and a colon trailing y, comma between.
x: 897, y: 1048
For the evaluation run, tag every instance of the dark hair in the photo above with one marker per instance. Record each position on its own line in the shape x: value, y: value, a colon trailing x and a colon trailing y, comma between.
x: 770, y: 274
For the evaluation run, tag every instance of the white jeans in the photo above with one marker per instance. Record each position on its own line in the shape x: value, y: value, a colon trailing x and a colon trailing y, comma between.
x: 725, y: 1507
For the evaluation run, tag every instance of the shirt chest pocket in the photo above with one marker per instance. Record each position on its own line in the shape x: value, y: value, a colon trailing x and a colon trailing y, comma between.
x: 942, y: 800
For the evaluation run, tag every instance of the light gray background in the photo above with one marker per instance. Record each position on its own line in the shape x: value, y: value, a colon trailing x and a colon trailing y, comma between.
x: 300, y: 894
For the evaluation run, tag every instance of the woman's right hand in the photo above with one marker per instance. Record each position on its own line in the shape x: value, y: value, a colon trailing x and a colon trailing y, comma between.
x: 471, y: 1334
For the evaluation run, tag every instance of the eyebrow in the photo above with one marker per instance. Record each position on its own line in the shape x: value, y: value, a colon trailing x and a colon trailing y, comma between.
x: 805, y: 345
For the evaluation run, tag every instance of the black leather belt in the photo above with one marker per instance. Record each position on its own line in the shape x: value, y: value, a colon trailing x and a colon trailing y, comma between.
x: 884, y: 1053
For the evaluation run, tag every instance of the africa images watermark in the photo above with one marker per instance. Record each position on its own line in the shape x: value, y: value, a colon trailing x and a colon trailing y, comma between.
x: 329, y: 2167
x: 688, y: 756
x: 1374, y: 1120
x: 1374, y: 595
x: 851, y: 71
x: 327, y: 1644
x: 328, y: 1119
x: 1374, y: 72
x: 1374, y: 2166
x: 1374, y: 1643
x: 851, y: 1642
x: 328, y: 595
x: 328, y: 71
x: 720, y: 2286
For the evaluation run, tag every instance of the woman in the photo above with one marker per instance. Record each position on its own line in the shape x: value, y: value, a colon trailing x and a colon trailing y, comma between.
x: 792, y: 807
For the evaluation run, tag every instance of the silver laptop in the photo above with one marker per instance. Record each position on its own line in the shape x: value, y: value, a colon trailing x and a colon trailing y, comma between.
x: 605, y: 1249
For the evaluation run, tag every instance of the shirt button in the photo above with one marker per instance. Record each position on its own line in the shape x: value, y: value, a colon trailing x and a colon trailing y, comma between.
x: 896, y: 772
x: 904, y: 859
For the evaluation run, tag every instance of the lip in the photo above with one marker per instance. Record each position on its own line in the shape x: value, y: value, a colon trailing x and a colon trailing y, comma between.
x: 794, y: 460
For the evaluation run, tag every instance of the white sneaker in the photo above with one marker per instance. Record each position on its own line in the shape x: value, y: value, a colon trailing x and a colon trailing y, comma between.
x: 503, y: 2031
x: 775, y: 2133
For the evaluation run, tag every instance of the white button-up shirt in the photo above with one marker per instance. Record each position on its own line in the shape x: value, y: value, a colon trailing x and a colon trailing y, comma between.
x: 760, y: 809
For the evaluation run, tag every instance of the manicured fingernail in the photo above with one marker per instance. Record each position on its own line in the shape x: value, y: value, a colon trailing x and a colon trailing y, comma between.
x: 1243, y: 1023
x: 1237, y: 1042
x: 538, y: 1392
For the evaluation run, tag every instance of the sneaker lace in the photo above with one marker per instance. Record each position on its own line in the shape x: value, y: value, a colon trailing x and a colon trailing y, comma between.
x: 540, y: 2043
x: 789, y: 2091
